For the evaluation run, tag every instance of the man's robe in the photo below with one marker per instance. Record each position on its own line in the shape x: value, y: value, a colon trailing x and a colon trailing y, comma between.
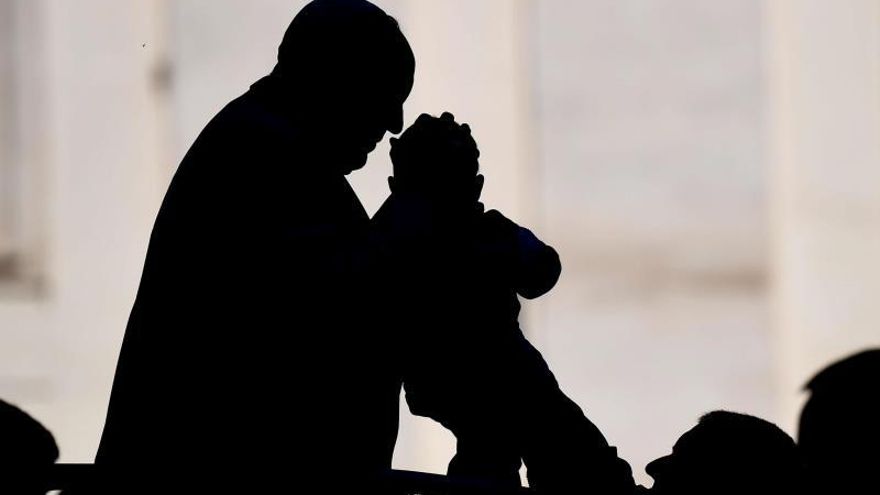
x: 252, y: 351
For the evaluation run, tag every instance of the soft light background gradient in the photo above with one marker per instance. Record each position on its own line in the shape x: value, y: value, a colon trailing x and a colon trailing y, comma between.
x: 708, y: 171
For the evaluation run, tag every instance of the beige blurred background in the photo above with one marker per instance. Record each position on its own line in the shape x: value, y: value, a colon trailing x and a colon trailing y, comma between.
x: 708, y: 171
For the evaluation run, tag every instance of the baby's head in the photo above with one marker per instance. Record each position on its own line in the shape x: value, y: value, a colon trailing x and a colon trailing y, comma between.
x: 437, y: 160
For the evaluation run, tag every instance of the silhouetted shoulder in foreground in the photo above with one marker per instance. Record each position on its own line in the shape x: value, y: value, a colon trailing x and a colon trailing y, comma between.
x: 839, y: 433
x: 27, y: 452
x: 250, y: 349
x: 729, y: 454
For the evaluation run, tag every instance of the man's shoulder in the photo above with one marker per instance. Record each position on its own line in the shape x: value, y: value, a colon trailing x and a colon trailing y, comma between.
x: 238, y: 154
x: 248, y: 118
x: 245, y: 138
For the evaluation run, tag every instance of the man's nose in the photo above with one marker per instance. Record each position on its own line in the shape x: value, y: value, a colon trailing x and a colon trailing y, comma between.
x: 656, y: 467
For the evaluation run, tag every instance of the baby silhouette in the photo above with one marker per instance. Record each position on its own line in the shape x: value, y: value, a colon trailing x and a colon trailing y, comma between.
x: 454, y: 292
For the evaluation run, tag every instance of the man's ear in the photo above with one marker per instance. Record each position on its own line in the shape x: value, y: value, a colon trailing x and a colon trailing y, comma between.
x: 479, y: 180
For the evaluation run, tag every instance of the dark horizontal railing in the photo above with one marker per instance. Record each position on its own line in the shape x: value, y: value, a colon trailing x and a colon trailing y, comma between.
x: 76, y: 477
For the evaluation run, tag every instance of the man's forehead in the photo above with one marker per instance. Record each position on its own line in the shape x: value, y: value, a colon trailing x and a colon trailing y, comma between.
x: 380, y: 88
x: 687, y: 441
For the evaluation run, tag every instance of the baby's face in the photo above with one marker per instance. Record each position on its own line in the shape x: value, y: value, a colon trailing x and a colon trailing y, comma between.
x: 455, y: 199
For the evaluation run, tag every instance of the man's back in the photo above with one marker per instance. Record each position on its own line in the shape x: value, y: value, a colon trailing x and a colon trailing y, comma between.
x: 242, y: 346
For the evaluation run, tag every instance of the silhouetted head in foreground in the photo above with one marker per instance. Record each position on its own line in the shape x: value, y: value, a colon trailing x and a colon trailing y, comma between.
x: 27, y: 451
x: 728, y: 453
x: 346, y: 70
x: 437, y: 160
x: 839, y: 433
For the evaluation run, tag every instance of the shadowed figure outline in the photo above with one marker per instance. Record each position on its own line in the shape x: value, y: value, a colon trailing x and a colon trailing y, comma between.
x: 257, y: 345
x: 728, y: 453
x: 839, y: 430
x: 27, y: 452
x: 249, y: 345
x: 454, y: 293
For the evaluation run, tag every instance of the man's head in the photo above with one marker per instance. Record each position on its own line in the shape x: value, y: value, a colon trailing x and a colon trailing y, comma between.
x: 438, y: 160
x: 347, y: 69
x: 728, y: 453
x: 839, y: 431
x: 27, y: 451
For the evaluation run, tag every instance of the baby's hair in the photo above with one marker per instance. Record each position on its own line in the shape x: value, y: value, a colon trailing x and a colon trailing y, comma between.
x: 435, y: 152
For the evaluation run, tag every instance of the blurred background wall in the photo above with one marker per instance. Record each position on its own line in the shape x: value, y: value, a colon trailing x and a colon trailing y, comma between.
x: 708, y: 172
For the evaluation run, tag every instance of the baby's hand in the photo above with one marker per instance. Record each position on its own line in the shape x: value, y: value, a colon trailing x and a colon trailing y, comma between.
x: 432, y: 140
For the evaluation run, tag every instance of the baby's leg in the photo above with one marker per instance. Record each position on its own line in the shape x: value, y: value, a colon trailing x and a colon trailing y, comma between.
x: 477, y: 415
x: 563, y: 450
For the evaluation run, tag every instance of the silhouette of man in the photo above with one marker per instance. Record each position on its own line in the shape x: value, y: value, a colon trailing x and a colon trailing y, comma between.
x: 27, y: 452
x: 728, y: 453
x: 839, y: 431
x: 249, y: 351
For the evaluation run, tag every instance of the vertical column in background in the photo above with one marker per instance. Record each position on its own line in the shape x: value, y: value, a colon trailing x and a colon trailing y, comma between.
x: 23, y: 150
x: 8, y: 193
x: 824, y: 81
x: 32, y: 147
x: 652, y: 162
x: 28, y: 348
x: 105, y: 117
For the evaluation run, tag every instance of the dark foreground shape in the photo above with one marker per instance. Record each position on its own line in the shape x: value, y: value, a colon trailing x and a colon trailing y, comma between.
x: 839, y: 431
x: 251, y: 343
x: 27, y: 452
x: 729, y: 454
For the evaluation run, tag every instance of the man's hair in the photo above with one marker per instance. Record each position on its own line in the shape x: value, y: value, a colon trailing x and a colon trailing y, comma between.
x: 741, y: 433
x: 755, y: 452
x: 843, y: 396
x: 340, y: 43
x: 435, y: 151
x: 840, y: 422
x: 856, y: 374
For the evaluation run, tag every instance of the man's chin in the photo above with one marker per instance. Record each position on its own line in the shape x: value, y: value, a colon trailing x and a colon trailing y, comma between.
x: 661, y: 489
x: 353, y: 163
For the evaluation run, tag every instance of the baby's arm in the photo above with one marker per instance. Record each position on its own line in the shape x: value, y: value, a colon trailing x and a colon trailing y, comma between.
x: 536, y: 265
x: 539, y: 265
